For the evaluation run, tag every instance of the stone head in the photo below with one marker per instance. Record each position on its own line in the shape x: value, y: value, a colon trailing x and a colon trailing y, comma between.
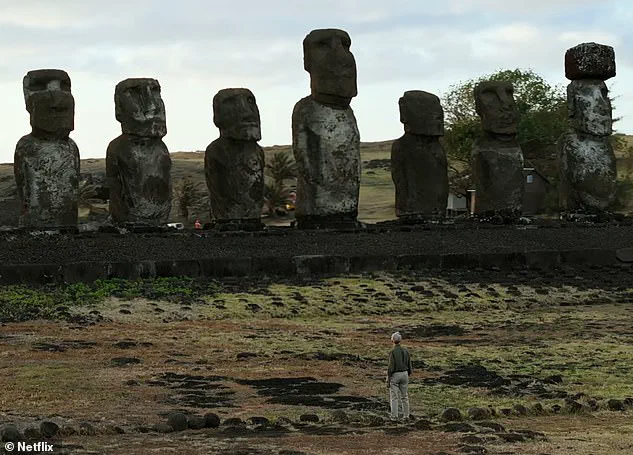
x: 236, y: 115
x: 421, y: 113
x: 589, y: 107
x: 332, y: 67
x: 139, y: 107
x: 50, y: 102
x: 494, y: 102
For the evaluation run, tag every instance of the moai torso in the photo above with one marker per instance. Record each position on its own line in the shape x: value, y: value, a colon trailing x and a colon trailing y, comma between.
x: 138, y: 165
x: 234, y: 163
x: 325, y: 137
x: 46, y: 162
x: 497, y: 159
x: 138, y: 169
x: 418, y: 162
x: 235, y: 178
x: 326, y: 146
x: 587, y: 162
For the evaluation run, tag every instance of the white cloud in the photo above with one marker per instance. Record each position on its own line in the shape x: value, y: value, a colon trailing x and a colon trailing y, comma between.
x: 196, y: 47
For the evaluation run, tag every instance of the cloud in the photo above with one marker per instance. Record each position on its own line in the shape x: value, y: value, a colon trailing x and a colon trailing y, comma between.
x: 196, y: 47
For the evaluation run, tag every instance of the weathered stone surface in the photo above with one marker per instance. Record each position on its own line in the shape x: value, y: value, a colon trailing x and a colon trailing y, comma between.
x: 497, y: 159
x: 332, y: 67
x: 326, y: 146
x: 494, y: 103
x: 590, y: 61
x: 138, y: 166
x: 46, y: 162
x: 451, y: 415
x: 587, y: 172
x: 589, y: 107
x: 325, y: 137
x: 10, y: 433
x: 178, y: 421
x: 234, y: 163
x: 418, y: 161
x: 497, y: 167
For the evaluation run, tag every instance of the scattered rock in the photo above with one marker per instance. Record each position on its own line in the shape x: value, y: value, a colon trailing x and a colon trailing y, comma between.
x: 573, y: 407
x: 211, y: 420
x: 497, y: 427
x: 511, y: 437
x: 451, y: 415
x: 472, y: 439
x: 256, y: 420
x: 10, y: 433
x: 615, y: 405
x: 555, y: 379
x: 162, y: 428
x: 178, y: 421
x: 32, y: 433
x: 478, y: 413
x: 196, y: 422
x: 87, y: 429
x: 49, y: 429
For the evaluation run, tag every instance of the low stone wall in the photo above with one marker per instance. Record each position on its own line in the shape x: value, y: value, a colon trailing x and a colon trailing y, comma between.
x: 39, y: 258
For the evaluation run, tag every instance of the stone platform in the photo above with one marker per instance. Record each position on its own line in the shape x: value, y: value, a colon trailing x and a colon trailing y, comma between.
x: 38, y: 257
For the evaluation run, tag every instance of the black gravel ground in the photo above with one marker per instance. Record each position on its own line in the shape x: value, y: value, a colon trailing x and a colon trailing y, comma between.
x: 28, y: 248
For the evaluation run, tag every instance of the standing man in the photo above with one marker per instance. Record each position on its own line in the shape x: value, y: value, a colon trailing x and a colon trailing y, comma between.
x: 398, y: 377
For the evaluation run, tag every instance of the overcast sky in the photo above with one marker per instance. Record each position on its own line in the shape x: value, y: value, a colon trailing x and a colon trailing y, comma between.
x: 197, y: 47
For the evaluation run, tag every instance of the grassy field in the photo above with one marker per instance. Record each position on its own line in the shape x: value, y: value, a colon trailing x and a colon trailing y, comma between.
x: 545, y: 353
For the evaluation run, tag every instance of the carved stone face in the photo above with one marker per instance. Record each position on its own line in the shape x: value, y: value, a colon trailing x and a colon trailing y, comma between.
x: 236, y: 114
x: 332, y: 67
x: 50, y: 102
x: 589, y: 107
x: 140, y: 108
x: 494, y: 102
x: 421, y: 113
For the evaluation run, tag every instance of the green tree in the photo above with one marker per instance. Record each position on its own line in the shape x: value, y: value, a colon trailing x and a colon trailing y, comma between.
x: 542, y: 109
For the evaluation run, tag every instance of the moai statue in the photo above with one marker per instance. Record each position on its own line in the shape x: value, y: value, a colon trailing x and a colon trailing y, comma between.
x: 46, y: 162
x: 496, y: 159
x: 234, y: 163
x: 138, y: 166
x: 418, y: 162
x: 587, y: 162
x: 325, y: 137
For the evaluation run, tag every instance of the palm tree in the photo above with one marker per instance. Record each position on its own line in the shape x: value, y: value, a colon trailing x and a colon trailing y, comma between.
x: 188, y: 194
x: 280, y: 168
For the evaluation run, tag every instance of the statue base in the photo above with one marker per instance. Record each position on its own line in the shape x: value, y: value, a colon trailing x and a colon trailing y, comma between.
x: 338, y: 221
x: 247, y: 225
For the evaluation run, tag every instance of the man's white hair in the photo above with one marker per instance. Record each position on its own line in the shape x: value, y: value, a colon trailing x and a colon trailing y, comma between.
x: 396, y: 337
